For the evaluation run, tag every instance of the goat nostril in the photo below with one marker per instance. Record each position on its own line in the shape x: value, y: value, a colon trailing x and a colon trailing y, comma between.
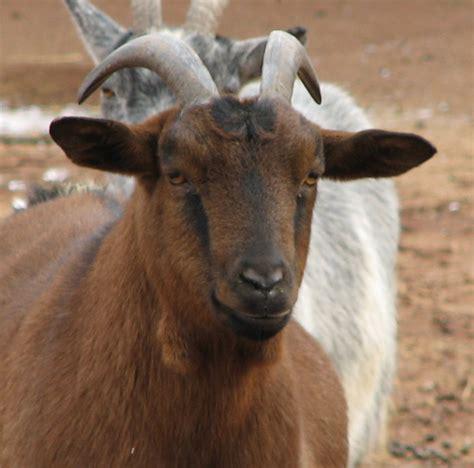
x: 264, y: 282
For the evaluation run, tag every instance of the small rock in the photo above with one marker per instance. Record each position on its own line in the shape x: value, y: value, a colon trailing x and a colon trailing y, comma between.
x: 420, y: 453
x: 56, y: 174
x: 447, y: 397
x: 444, y: 325
x: 437, y: 454
x: 454, y: 206
x: 397, y: 449
x: 19, y: 204
x: 466, y: 448
x: 430, y: 437
x: 16, y: 186
x: 446, y: 444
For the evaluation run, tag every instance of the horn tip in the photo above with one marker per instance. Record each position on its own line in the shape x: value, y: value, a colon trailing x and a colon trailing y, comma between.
x: 83, y: 94
x: 316, y: 94
x: 80, y: 98
x: 318, y: 98
x: 88, y: 86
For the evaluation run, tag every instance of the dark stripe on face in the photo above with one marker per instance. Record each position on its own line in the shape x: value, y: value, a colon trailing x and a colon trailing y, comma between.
x: 197, y: 218
x: 256, y: 203
x: 253, y: 186
x: 257, y: 211
x: 300, y: 215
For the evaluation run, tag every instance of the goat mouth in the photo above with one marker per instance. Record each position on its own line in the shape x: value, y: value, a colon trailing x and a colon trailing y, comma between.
x: 251, y: 326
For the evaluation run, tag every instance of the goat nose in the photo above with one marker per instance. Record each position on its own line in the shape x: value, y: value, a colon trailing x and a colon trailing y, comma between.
x: 262, y: 280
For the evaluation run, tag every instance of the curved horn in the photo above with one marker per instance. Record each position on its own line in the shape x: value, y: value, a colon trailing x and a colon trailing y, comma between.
x: 176, y: 63
x: 203, y: 15
x: 284, y: 58
x: 146, y: 15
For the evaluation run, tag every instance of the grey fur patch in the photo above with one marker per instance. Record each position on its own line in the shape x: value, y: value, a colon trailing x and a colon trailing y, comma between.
x: 43, y: 193
x: 248, y: 119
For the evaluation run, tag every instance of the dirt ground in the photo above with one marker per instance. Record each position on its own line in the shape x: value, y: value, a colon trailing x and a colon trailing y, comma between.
x: 410, y: 63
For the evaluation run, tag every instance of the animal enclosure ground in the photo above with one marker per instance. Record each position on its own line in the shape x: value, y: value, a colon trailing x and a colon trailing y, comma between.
x: 410, y: 64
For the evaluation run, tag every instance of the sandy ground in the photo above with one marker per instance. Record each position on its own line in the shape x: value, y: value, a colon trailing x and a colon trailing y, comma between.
x: 410, y: 64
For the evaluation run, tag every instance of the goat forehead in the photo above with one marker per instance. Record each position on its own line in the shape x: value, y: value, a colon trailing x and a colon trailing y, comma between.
x: 245, y: 121
x: 229, y: 132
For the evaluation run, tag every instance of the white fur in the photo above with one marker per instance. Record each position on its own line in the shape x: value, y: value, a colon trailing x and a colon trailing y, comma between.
x: 347, y: 298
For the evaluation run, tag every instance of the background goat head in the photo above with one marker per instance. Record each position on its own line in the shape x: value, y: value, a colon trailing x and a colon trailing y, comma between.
x: 132, y: 95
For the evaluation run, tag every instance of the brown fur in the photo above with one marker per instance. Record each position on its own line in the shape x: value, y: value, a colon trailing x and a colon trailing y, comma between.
x: 113, y: 353
x: 87, y: 388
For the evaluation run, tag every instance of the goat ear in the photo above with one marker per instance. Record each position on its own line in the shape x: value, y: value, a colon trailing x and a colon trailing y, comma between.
x: 250, y: 53
x: 372, y: 153
x: 98, y: 32
x: 106, y: 145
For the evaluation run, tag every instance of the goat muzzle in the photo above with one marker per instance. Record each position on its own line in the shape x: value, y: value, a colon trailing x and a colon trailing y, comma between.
x: 257, y: 327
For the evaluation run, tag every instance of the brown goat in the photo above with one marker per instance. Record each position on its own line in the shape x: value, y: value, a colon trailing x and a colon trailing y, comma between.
x: 162, y: 336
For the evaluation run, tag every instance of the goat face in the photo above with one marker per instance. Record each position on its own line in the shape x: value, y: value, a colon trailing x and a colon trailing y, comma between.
x: 228, y: 192
x: 239, y: 184
x: 224, y: 204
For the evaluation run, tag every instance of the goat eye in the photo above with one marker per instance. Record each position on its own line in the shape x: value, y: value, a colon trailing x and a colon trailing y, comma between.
x: 311, y: 179
x: 107, y: 92
x: 176, y: 178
